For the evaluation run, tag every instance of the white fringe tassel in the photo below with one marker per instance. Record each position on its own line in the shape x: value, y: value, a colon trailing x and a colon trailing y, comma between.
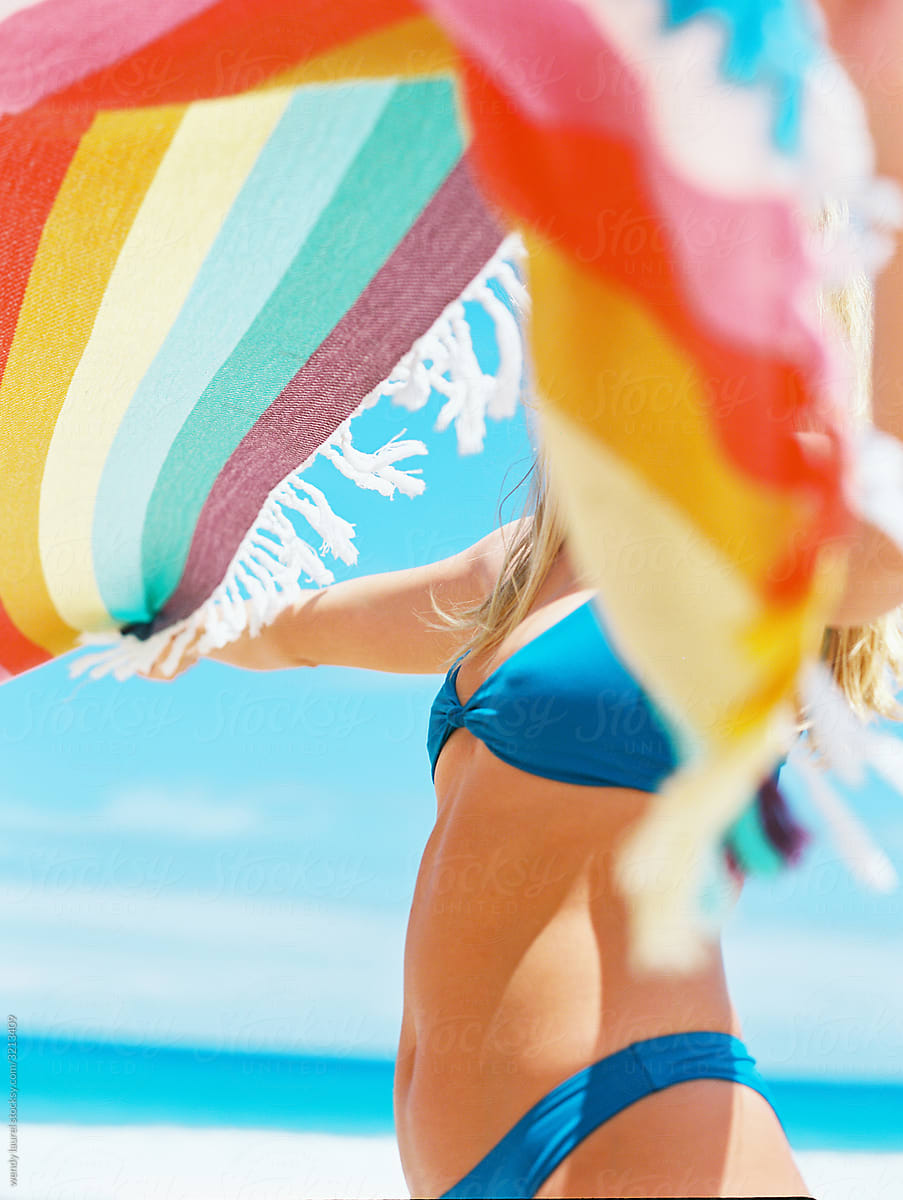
x: 448, y: 350
x: 848, y: 747
x: 272, y: 554
x: 878, y: 466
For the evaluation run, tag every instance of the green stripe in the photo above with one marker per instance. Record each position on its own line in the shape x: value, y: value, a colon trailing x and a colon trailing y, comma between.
x: 412, y: 148
x: 750, y: 843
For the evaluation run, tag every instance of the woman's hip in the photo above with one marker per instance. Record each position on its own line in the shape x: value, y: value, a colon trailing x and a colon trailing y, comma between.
x: 675, y: 1111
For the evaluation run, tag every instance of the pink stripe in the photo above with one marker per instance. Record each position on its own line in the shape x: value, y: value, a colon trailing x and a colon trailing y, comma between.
x: 51, y: 45
x: 547, y: 55
x: 560, y: 71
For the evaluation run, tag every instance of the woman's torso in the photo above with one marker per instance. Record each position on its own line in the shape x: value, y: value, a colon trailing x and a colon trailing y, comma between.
x: 516, y: 965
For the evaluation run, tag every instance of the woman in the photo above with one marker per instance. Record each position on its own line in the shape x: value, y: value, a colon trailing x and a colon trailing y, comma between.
x: 532, y: 1059
x: 516, y: 971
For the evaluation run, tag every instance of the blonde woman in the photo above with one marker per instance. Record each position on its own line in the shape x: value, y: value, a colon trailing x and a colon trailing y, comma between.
x: 532, y: 1060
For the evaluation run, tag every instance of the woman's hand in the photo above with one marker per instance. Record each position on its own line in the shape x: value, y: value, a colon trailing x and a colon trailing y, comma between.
x: 266, y: 651
x: 187, y: 659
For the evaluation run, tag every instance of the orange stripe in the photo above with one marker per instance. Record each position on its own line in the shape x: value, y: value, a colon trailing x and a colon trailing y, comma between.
x: 18, y: 653
x: 416, y: 47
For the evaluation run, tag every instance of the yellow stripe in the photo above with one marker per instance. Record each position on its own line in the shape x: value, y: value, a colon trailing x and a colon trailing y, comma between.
x: 692, y: 630
x: 197, y: 181
x: 92, y: 214
x: 604, y: 361
x: 661, y: 863
x: 410, y: 48
x: 679, y: 609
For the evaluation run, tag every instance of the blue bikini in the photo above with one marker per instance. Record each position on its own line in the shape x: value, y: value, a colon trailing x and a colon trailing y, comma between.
x: 529, y: 1152
x: 565, y: 707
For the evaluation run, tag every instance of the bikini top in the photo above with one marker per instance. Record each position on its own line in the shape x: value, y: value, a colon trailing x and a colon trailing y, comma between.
x: 565, y: 707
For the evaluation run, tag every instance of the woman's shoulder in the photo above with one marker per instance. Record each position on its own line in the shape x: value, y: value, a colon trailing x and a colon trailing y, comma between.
x: 489, y: 552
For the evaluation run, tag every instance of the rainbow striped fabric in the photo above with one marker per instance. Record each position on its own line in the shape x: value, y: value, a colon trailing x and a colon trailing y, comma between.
x: 227, y: 227
x: 213, y: 258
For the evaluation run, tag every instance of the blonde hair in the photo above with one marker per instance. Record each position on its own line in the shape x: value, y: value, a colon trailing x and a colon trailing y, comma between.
x: 866, y: 660
x: 536, y: 541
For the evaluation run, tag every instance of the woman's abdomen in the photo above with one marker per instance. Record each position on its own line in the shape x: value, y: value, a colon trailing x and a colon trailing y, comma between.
x: 516, y: 967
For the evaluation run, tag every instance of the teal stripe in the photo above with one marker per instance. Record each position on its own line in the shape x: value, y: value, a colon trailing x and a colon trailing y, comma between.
x: 751, y: 845
x: 412, y: 148
x: 294, y: 178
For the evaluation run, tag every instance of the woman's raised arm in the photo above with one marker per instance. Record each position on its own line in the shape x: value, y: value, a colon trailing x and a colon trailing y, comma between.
x: 378, y: 622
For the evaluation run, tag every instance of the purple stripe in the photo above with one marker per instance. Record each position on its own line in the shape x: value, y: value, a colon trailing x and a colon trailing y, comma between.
x: 784, y: 833
x: 450, y: 242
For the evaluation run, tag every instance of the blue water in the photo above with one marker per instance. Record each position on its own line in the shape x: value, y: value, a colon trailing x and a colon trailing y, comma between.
x: 108, y: 1083
x: 99, y: 1083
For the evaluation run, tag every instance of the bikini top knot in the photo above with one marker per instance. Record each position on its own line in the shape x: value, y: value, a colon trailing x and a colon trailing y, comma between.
x: 564, y: 706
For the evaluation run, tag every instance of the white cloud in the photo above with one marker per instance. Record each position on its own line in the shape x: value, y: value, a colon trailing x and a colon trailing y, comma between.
x: 128, y: 964
x: 819, y: 1003
x: 178, y: 812
x: 247, y: 972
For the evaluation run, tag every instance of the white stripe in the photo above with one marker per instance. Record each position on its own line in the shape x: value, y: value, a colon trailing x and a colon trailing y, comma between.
x: 718, y: 134
x: 8, y: 7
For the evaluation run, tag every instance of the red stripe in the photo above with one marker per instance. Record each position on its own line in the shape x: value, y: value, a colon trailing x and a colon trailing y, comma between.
x: 229, y: 48
x: 18, y: 653
x: 35, y: 154
x: 560, y: 183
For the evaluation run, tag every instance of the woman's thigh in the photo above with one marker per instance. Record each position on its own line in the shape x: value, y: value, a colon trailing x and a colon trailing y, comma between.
x: 706, y: 1137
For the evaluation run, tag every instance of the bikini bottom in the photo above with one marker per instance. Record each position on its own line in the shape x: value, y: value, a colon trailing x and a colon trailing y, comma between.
x: 531, y: 1150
